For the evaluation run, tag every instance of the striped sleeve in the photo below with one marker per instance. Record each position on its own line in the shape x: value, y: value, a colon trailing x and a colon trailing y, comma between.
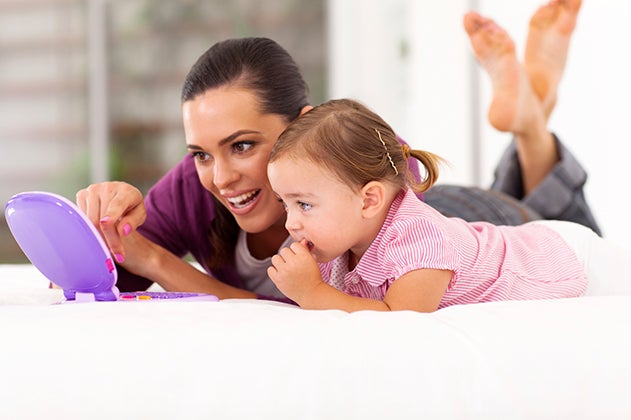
x: 415, y: 243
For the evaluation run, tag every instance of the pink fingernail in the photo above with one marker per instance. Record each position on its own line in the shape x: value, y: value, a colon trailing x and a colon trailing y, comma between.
x: 120, y: 258
x: 105, y: 219
x: 126, y: 229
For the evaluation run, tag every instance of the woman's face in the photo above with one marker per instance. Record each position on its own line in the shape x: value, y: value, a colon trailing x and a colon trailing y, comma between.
x: 231, y: 140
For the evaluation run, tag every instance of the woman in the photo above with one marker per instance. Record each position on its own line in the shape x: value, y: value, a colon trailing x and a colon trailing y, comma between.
x: 217, y: 205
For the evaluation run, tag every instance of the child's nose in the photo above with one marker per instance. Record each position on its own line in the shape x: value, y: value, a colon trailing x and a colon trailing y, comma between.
x: 292, y: 224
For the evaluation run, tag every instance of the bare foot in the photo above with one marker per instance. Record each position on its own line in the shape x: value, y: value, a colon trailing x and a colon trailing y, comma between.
x: 514, y: 107
x: 548, y: 41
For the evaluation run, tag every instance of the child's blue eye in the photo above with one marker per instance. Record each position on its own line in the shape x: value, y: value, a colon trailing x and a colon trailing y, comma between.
x: 304, y: 206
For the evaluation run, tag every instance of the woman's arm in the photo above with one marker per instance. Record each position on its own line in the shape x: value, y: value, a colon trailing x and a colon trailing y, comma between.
x: 117, y: 210
x: 153, y: 262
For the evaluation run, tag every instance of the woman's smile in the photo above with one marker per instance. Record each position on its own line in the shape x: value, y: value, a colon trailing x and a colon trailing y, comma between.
x: 242, y: 201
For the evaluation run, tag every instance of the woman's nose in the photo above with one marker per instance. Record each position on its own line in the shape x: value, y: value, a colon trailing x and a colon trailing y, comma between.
x: 224, y: 173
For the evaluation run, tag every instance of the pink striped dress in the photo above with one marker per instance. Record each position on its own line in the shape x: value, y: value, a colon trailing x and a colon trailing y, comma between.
x: 490, y: 263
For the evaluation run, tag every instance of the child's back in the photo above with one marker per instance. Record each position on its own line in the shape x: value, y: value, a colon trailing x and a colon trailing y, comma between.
x: 489, y: 262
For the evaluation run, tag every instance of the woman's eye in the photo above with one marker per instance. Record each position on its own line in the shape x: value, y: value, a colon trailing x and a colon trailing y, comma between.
x: 280, y: 200
x: 201, y: 156
x: 242, y: 146
x: 304, y: 206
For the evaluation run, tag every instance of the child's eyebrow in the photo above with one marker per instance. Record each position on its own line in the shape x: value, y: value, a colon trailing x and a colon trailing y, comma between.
x: 299, y: 195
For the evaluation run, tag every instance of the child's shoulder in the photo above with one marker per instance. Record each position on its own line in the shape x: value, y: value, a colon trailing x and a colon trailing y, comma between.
x: 410, y: 215
x: 408, y: 206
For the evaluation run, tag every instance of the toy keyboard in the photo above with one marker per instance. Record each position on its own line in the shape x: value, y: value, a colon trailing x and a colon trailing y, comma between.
x: 188, y: 296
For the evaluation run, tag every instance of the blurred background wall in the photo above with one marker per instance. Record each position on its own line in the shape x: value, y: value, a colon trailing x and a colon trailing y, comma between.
x: 89, y: 89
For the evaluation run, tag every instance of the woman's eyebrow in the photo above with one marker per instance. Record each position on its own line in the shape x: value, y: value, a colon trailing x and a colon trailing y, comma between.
x: 237, y: 134
x: 225, y: 140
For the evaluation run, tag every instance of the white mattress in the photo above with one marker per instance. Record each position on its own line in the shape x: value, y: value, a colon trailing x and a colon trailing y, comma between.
x: 247, y: 359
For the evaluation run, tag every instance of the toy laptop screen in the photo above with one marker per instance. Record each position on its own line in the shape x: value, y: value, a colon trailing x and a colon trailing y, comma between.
x: 62, y: 243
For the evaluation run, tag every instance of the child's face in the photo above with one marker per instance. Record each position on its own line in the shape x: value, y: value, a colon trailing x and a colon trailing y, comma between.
x: 320, y: 208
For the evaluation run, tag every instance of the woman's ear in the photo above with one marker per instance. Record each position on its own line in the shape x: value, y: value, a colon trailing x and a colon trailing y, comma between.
x: 305, y: 109
x: 375, y: 196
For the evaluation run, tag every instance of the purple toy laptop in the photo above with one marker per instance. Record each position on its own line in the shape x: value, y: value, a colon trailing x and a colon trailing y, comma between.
x: 64, y: 245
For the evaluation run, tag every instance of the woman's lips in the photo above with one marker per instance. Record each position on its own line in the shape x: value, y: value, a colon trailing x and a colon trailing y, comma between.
x: 243, y: 200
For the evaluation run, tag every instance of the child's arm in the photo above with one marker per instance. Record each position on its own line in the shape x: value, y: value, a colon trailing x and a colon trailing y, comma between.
x: 419, y: 290
x: 296, y: 274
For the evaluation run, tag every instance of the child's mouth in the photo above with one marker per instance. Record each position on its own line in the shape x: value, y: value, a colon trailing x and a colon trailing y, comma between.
x: 307, y: 243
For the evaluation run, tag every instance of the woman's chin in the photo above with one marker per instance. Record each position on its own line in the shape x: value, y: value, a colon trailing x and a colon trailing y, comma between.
x: 256, y: 222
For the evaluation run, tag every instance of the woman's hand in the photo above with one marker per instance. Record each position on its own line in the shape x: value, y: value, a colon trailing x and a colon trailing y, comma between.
x: 116, y: 209
x: 295, y: 271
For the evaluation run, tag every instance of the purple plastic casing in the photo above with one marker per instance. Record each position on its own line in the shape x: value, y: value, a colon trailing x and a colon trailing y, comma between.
x: 63, y: 244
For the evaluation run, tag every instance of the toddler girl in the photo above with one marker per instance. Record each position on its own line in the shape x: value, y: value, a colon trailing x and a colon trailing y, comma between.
x: 363, y: 240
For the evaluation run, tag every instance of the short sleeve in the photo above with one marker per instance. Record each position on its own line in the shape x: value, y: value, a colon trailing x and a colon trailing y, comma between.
x: 417, y: 243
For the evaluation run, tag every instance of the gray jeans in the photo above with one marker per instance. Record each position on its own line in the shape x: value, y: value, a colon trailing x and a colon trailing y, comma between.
x: 560, y: 195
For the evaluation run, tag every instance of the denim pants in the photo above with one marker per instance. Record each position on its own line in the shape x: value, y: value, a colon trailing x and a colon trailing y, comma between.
x: 559, y: 196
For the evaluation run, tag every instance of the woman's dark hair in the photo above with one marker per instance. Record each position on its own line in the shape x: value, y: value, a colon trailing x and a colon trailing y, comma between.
x: 267, y: 70
x: 257, y: 64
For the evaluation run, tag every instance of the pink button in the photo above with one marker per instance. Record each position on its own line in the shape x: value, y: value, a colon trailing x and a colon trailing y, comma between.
x: 110, y: 264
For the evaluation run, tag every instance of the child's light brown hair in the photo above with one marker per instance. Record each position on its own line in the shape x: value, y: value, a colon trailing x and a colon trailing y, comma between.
x: 355, y: 144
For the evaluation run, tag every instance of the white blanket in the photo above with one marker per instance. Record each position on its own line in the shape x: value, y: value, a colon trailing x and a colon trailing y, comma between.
x: 248, y: 359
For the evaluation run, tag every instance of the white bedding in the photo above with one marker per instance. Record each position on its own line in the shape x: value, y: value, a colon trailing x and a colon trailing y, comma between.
x: 247, y: 359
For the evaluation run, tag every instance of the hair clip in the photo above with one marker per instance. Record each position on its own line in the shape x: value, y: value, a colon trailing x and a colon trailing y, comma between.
x: 396, y: 171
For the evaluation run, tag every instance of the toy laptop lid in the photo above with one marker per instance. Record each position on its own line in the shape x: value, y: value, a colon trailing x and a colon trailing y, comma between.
x: 62, y: 243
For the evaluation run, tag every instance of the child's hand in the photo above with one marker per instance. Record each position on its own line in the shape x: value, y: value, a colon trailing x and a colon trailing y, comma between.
x: 295, y: 271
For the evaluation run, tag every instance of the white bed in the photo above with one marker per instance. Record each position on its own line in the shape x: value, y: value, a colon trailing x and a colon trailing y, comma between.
x: 247, y: 359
